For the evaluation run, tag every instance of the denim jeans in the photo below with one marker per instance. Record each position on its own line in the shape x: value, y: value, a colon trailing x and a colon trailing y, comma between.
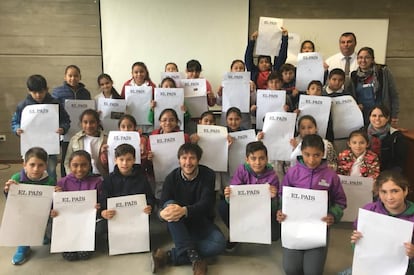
x: 51, y: 166
x: 200, y: 234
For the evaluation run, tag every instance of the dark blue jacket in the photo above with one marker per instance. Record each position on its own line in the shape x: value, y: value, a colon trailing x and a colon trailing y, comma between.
x: 65, y: 92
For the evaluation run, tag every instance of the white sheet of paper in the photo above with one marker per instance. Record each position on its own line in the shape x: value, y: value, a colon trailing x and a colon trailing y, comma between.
x: 74, y: 108
x: 177, y: 76
x: 237, y: 76
x: 237, y: 150
x: 358, y: 191
x: 40, y: 123
x: 317, y: 106
x: 250, y: 214
x: 308, y: 68
x: 138, y: 99
x: 195, y: 95
x: 381, y: 251
x: 168, y: 98
x: 74, y: 227
x: 25, y: 214
x: 164, y: 148
x: 110, y: 110
x: 236, y: 94
x: 268, y: 101
x: 212, y: 136
x: 346, y: 116
x: 128, y: 230
x: 270, y: 34
x: 294, y: 42
x: 116, y: 138
x: 278, y: 129
x: 303, y: 227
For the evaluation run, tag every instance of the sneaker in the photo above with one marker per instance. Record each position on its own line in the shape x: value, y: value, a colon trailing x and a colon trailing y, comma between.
x: 159, y: 259
x: 84, y: 255
x: 200, y: 267
x: 21, y: 255
x: 46, y: 240
x: 230, y: 246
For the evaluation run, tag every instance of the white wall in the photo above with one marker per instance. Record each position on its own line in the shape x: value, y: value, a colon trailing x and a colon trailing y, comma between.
x: 157, y: 31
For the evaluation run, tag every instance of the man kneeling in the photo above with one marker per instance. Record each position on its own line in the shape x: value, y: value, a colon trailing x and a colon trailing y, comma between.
x: 187, y: 201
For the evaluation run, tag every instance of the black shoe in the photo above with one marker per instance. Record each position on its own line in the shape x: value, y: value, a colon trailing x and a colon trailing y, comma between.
x: 230, y: 246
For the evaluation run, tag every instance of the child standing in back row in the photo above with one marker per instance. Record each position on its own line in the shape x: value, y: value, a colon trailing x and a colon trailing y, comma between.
x: 312, y: 172
x: 33, y: 172
x: 261, y: 71
x: 72, y: 88
x: 39, y: 94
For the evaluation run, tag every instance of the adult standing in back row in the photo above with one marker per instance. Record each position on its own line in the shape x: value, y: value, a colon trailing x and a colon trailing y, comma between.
x: 346, y: 59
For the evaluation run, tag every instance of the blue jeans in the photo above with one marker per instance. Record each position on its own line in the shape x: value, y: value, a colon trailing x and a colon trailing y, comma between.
x: 199, y: 234
x: 51, y: 166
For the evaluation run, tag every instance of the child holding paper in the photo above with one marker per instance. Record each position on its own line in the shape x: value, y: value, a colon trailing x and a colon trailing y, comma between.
x: 127, y: 179
x: 358, y: 160
x: 312, y: 172
x: 72, y: 88
x: 92, y: 139
x: 261, y: 71
x: 238, y: 66
x: 107, y: 89
x: 256, y: 170
x: 80, y: 178
x: 169, y: 123
x: 140, y: 77
x: 33, y: 172
x: 193, y: 71
x: 38, y: 94
x: 392, y: 188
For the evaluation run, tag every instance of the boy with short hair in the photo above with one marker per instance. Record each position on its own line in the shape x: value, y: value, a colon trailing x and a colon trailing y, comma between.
x: 127, y: 178
x: 38, y: 94
x: 335, y: 86
x: 256, y: 170
x: 288, y: 72
x: 33, y: 172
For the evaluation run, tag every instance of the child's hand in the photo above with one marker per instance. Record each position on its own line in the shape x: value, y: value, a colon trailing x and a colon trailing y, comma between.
x: 227, y: 192
x: 220, y: 91
x: 253, y: 108
x: 140, y: 131
x: 254, y: 35
x: 7, y: 185
x: 286, y: 108
x: 252, y: 86
x: 19, y: 131
x: 58, y: 189
x: 153, y: 103
x: 183, y: 108
x: 295, y: 92
x: 104, y: 149
x: 280, y: 217
x: 210, y: 94
x: 230, y: 140
x: 97, y: 206
x: 150, y: 155
x: 260, y: 136
x: 148, y: 209
x: 356, y: 236
x: 273, y: 191
x: 329, y: 219
x: 409, y: 250
x: 325, y: 66
x: 53, y: 213
x: 293, y: 142
x: 297, y: 112
x: 60, y: 131
x: 108, y: 214
x: 194, y: 138
x: 284, y: 31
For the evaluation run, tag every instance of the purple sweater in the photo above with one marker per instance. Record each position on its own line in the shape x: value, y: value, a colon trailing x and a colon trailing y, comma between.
x: 320, y: 178
x: 245, y: 175
x: 71, y: 183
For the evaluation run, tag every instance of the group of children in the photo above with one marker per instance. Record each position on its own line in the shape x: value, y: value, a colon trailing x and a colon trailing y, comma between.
x: 85, y: 157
